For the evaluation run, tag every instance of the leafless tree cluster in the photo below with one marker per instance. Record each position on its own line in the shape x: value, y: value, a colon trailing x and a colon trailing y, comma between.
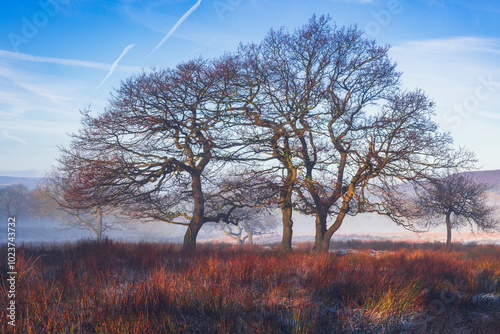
x: 313, y: 121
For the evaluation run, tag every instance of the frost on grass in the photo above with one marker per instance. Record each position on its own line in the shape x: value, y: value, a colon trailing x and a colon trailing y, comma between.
x: 116, y: 287
x: 487, y: 301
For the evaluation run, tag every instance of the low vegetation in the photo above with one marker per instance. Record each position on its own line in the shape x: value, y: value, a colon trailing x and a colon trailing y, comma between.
x: 362, y: 287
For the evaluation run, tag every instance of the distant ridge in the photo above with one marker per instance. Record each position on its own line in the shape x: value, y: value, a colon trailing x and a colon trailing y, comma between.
x: 30, y: 182
x: 491, y: 177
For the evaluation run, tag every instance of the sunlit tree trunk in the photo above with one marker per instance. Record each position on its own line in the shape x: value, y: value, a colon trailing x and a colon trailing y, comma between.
x: 286, y: 203
x: 331, y: 231
x: 320, y: 231
x: 286, y: 242
x: 249, y: 232
x: 196, y: 222
x: 338, y: 220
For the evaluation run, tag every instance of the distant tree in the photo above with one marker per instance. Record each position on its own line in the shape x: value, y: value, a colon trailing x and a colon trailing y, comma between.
x: 247, y: 199
x: 14, y: 200
x: 457, y: 200
x: 247, y: 223
x: 67, y: 196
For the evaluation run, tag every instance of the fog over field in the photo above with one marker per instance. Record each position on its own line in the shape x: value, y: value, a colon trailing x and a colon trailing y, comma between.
x: 362, y: 227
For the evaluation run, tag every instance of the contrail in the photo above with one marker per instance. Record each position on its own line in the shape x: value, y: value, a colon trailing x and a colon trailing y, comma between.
x: 8, y: 135
x: 201, y: 47
x: 177, y: 24
x: 115, y: 64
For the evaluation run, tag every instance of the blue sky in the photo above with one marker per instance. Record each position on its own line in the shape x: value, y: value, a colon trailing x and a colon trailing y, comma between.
x: 60, y: 56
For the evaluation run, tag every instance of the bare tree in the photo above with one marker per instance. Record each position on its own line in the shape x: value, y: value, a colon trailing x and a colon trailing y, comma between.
x: 461, y: 200
x: 163, y: 136
x: 318, y: 114
x: 66, y: 196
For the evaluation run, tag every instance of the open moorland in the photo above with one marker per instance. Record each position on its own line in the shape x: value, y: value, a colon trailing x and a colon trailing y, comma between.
x: 358, y: 287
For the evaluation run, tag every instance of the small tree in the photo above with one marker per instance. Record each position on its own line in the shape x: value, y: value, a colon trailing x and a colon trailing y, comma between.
x: 249, y: 222
x: 246, y: 199
x: 53, y: 203
x: 69, y: 194
x: 458, y: 196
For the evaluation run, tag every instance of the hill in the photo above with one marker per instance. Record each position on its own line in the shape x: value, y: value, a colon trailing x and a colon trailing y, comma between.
x: 491, y: 177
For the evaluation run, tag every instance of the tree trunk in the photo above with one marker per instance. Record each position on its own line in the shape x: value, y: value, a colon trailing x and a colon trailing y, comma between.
x: 338, y: 221
x: 250, y: 238
x: 287, y: 209
x: 331, y: 231
x: 99, y: 226
x: 197, y: 220
x: 189, y: 245
x: 286, y: 242
x: 320, y: 231
x: 238, y: 236
x: 249, y: 232
x: 448, y: 231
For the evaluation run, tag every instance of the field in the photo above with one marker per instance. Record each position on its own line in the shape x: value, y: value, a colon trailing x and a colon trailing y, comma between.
x: 359, y: 287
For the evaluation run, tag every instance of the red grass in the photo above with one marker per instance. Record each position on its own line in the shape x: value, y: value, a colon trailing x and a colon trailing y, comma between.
x: 114, y: 287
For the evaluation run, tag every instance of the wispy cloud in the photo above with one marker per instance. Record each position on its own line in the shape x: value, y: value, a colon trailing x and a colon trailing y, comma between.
x: 67, y: 62
x: 460, y: 59
x: 115, y: 64
x: 460, y: 45
x: 9, y: 136
x: 33, y: 84
x: 462, y: 74
x: 8, y: 99
x: 176, y: 25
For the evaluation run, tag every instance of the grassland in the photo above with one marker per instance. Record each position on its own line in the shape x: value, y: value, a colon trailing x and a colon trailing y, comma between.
x: 359, y: 287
